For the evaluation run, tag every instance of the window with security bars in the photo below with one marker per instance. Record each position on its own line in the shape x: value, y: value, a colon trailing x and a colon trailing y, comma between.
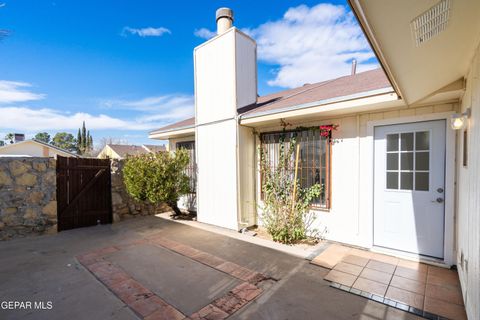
x: 191, y: 170
x: 314, y: 158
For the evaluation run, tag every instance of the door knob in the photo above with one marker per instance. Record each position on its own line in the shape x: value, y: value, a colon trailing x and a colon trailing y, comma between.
x: 439, y: 190
x: 439, y: 200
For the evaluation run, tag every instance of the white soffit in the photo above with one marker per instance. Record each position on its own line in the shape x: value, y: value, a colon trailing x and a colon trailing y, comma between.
x: 431, y: 22
x: 420, y: 70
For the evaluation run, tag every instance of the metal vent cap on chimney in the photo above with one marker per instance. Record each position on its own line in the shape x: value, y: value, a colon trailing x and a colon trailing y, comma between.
x: 224, y: 13
x: 224, y: 18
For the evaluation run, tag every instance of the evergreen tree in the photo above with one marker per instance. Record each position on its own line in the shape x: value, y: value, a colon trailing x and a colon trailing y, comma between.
x: 79, y: 142
x: 65, y: 141
x: 43, y: 136
x: 87, y: 141
x: 90, y: 142
x: 84, y: 138
x: 10, y: 138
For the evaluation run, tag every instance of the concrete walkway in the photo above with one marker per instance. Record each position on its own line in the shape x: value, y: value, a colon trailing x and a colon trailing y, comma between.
x: 44, y: 269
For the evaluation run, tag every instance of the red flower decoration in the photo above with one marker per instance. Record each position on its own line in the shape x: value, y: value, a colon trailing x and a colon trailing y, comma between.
x: 326, y: 130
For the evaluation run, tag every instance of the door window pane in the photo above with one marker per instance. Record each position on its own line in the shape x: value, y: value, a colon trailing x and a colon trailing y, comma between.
x: 407, y: 141
x: 421, y: 181
x: 392, y: 142
x: 392, y: 161
x: 392, y: 180
x: 407, y: 161
x: 422, y: 161
x: 422, y: 140
x: 406, y: 181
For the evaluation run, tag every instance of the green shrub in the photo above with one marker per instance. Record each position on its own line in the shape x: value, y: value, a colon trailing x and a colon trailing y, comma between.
x: 158, y: 177
x: 286, y: 218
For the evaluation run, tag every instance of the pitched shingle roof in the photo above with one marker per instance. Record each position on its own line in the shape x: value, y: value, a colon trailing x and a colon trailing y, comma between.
x: 124, y: 150
x: 155, y: 148
x: 190, y: 122
x: 350, y: 85
x: 321, y: 91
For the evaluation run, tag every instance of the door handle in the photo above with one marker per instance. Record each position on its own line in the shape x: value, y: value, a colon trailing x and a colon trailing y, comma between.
x: 439, y: 200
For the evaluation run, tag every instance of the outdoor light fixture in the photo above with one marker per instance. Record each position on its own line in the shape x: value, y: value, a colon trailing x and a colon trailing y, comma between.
x: 459, y: 120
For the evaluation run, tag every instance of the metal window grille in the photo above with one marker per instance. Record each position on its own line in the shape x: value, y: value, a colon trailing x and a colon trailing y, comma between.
x: 314, y: 158
x: 191, y: 170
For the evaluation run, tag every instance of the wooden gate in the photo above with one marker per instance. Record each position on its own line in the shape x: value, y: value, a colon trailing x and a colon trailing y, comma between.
x: 84, y: 195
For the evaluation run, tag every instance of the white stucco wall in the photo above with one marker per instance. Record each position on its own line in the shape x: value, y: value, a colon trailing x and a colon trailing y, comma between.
x: 215, y: 79
x: 245, y: 70
x: 217, y: 174
x: 350, y: 218
x: 468, y: 195
x: 225, y: 80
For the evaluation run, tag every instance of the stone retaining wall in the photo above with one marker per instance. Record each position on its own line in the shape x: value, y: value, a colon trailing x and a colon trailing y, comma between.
x: 27, y: 196
x: 123, y: 205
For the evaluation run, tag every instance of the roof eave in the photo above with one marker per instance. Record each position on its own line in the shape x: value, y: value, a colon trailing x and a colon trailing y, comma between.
x: 166, y: 134
x: 323, y: 102
x: 367, y: 31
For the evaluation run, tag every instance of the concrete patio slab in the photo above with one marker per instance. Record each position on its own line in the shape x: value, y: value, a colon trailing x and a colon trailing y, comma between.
x: 189, y: 285
x: 45, y: 269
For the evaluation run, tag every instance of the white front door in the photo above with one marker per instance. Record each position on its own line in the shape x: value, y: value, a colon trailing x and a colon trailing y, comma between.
x: 409, y: 197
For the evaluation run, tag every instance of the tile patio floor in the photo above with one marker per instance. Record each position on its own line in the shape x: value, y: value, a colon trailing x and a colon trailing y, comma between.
x: 429, y: 291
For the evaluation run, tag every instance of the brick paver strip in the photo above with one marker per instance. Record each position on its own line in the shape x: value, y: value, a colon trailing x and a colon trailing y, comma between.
x: 210, y: 312
x: 246, y: 291
x: 150, y: 306
x: 131, y: 291
x: 168, y: 313
x: 187, y: 251
x: 229, y: 303
x: 146, y: 307
x: 208, y: 259
x: 131, y: 243
x: 219, y: 264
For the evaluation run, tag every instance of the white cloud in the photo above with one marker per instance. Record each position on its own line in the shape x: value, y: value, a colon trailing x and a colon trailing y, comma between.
x: 52, y: 120
x: 13, y: 91
x: 145, y: 32
x: 312, y: 44
x: 155, y: 104
x: 150, y: 113
x: 204, y: 33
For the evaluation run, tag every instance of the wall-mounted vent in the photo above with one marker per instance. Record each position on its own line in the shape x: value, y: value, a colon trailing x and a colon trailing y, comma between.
x: 431, y: 22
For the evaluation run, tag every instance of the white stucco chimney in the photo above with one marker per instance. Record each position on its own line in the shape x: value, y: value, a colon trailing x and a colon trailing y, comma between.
x: 224, y: 19
x: 225, y: 80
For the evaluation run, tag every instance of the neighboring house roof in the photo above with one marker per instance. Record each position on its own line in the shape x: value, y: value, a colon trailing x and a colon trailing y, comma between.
x: 44, y: 144
x: 155, y: 148
x: 371, y: 81
x: 55, y: 147
x: 123, y: 150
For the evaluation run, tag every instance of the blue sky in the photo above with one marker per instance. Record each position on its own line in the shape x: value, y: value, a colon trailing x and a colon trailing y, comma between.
x: 125, y: 67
